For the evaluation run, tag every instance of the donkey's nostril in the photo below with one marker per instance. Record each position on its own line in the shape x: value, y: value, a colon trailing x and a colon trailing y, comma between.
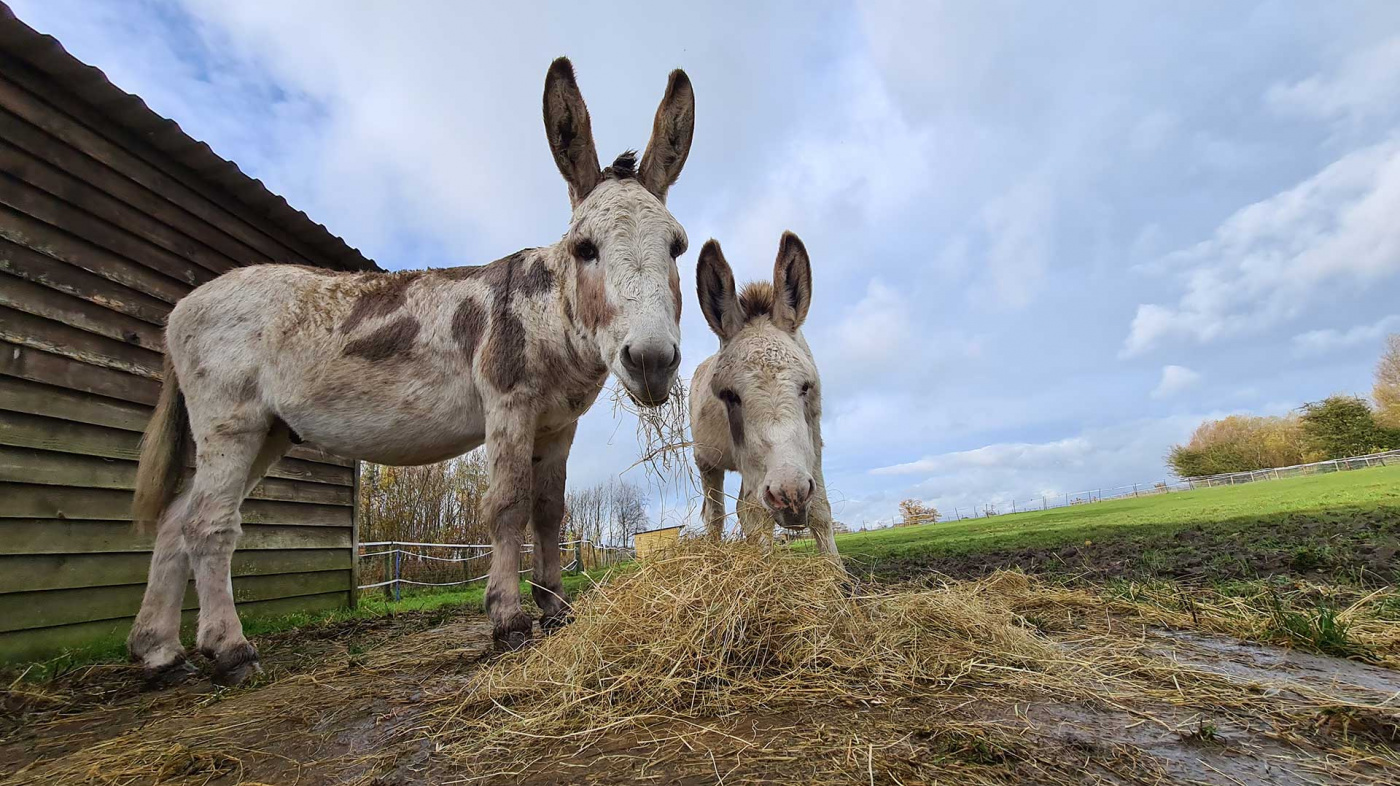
x: 770, y: 497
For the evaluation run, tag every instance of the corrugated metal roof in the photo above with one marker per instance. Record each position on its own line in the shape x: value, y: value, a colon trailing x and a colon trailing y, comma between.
x: 46, y: 54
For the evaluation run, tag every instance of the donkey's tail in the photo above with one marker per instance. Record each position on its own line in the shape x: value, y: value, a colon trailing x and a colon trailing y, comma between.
x: 163, y: 450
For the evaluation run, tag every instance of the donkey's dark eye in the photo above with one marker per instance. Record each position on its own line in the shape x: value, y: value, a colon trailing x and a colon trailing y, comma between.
x: 585, y: 250
x: 677, y: 247
x: 729, y: 397
x: 806, y: 388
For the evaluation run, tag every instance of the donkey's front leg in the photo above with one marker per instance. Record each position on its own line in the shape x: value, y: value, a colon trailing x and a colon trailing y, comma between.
x: 819, y: 518
x: 712, y: 510
x: 551, y: 459
x: 509, y: 441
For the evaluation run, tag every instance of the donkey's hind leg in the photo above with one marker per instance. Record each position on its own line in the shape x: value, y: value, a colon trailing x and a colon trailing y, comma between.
x: 155, y: 636
x: 229, y: 450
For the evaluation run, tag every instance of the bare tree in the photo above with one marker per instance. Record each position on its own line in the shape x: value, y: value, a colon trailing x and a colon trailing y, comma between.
x: 913, y: 511
x: 436, y: 503
x: 1386, y: 391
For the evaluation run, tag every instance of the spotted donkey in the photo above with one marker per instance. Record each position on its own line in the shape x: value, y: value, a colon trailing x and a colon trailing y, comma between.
x: 415, y: 367
x: 755, y: 406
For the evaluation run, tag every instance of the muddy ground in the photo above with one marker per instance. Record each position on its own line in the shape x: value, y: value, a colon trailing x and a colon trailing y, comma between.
x: 349, y: 704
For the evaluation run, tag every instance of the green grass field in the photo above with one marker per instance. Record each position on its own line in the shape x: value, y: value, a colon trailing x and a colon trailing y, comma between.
x: 1326, y: 514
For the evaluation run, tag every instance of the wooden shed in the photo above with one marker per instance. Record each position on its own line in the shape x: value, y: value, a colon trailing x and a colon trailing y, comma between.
x: 109, y: 214
x: 655, y: 541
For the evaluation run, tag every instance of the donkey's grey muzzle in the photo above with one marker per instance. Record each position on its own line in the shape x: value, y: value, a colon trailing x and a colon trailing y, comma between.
x: 793, y: 520
x: 651, y: 371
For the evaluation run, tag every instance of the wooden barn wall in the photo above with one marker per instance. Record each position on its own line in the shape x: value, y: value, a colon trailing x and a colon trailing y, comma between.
x: 99, y: 236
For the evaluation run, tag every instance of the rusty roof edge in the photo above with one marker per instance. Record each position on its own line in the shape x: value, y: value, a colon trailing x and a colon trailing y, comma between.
x: 44, y: 53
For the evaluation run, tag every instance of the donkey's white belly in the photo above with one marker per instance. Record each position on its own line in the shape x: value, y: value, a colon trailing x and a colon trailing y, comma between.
x: 399, y: 413
x: 391, y: 440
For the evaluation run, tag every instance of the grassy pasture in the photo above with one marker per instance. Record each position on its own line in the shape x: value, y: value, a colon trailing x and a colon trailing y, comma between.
x: 1344, y: 525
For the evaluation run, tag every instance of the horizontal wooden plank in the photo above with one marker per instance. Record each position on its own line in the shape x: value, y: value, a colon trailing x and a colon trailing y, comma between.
x: 62, y: 536
x: 40, y: 643
x: 17, y: 327
x: 41, y: 467
x: 79, y: 136
x: 34, y: 501
x: 26, y: 231
x: 25, y: 610
x: 45, y: 163
x: 41, y: 301
x: 22, y: 395
x: 65, y: 436
x: 65, y: 372
x: 31, y: 572
x: 37, y: 268
x: 43, y: 206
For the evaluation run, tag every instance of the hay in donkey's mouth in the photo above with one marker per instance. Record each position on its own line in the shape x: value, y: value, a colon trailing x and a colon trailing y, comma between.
x: 710, y: 629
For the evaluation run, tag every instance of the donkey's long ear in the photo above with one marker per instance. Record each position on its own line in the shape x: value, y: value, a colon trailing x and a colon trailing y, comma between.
x: 569, y: 131
x: 792, y: 283
x: 670, y: 136
x: 714, y: 284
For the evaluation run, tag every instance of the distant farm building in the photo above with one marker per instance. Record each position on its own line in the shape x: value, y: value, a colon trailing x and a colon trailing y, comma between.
x: 654, y: 541
x: 109, y: 214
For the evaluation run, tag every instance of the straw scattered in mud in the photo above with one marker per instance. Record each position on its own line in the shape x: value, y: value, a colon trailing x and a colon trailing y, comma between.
x: 726, y: 665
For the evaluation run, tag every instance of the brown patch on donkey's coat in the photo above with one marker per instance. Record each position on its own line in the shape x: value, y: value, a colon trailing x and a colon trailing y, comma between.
x: 504, y: 356
x: 391, y: 341
x: 594, y: 310
x: 468, y: 325
x: 382, y: 295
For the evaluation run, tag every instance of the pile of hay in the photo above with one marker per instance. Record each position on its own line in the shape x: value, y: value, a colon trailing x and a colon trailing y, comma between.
x: 708, y: 630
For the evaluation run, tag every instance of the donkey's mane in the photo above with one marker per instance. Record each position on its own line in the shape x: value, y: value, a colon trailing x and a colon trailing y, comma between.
x: 756, y: 300
x: 624, y: 167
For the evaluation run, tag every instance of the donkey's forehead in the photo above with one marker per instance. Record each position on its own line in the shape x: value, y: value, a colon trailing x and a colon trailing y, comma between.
x: 623, y: 200
x: 764, y: 348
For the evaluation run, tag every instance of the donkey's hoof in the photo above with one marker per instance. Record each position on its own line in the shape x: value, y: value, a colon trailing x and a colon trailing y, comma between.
x: 169, y: 675
x: 236, y: 666
x: 512, y: 633
x: 511, y: 641
x: 549, y: 623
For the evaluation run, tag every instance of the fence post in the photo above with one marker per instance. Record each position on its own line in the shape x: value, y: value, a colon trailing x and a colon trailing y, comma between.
x: 1134, y: 490
x: 1044, y: 503
x: 389, y: 570
x: 578, y: 555
x: 1013, y: 506
x: 398, y: 559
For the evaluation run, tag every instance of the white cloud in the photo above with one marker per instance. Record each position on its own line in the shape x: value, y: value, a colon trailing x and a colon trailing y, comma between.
x: 1365, y: 85
x: 1175, y: 379
x: 1334, y: 231
x: 1321, y: 342
x: 1098, y: 460
x: 1021, y: 454
x: 1018, y: 225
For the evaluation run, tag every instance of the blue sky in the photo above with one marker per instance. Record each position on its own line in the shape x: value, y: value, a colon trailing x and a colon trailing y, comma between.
x: 1047, y: 239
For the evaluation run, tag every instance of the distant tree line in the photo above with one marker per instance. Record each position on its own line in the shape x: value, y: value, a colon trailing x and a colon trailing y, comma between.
x: 1335, y: 427
x: 442, y: 503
